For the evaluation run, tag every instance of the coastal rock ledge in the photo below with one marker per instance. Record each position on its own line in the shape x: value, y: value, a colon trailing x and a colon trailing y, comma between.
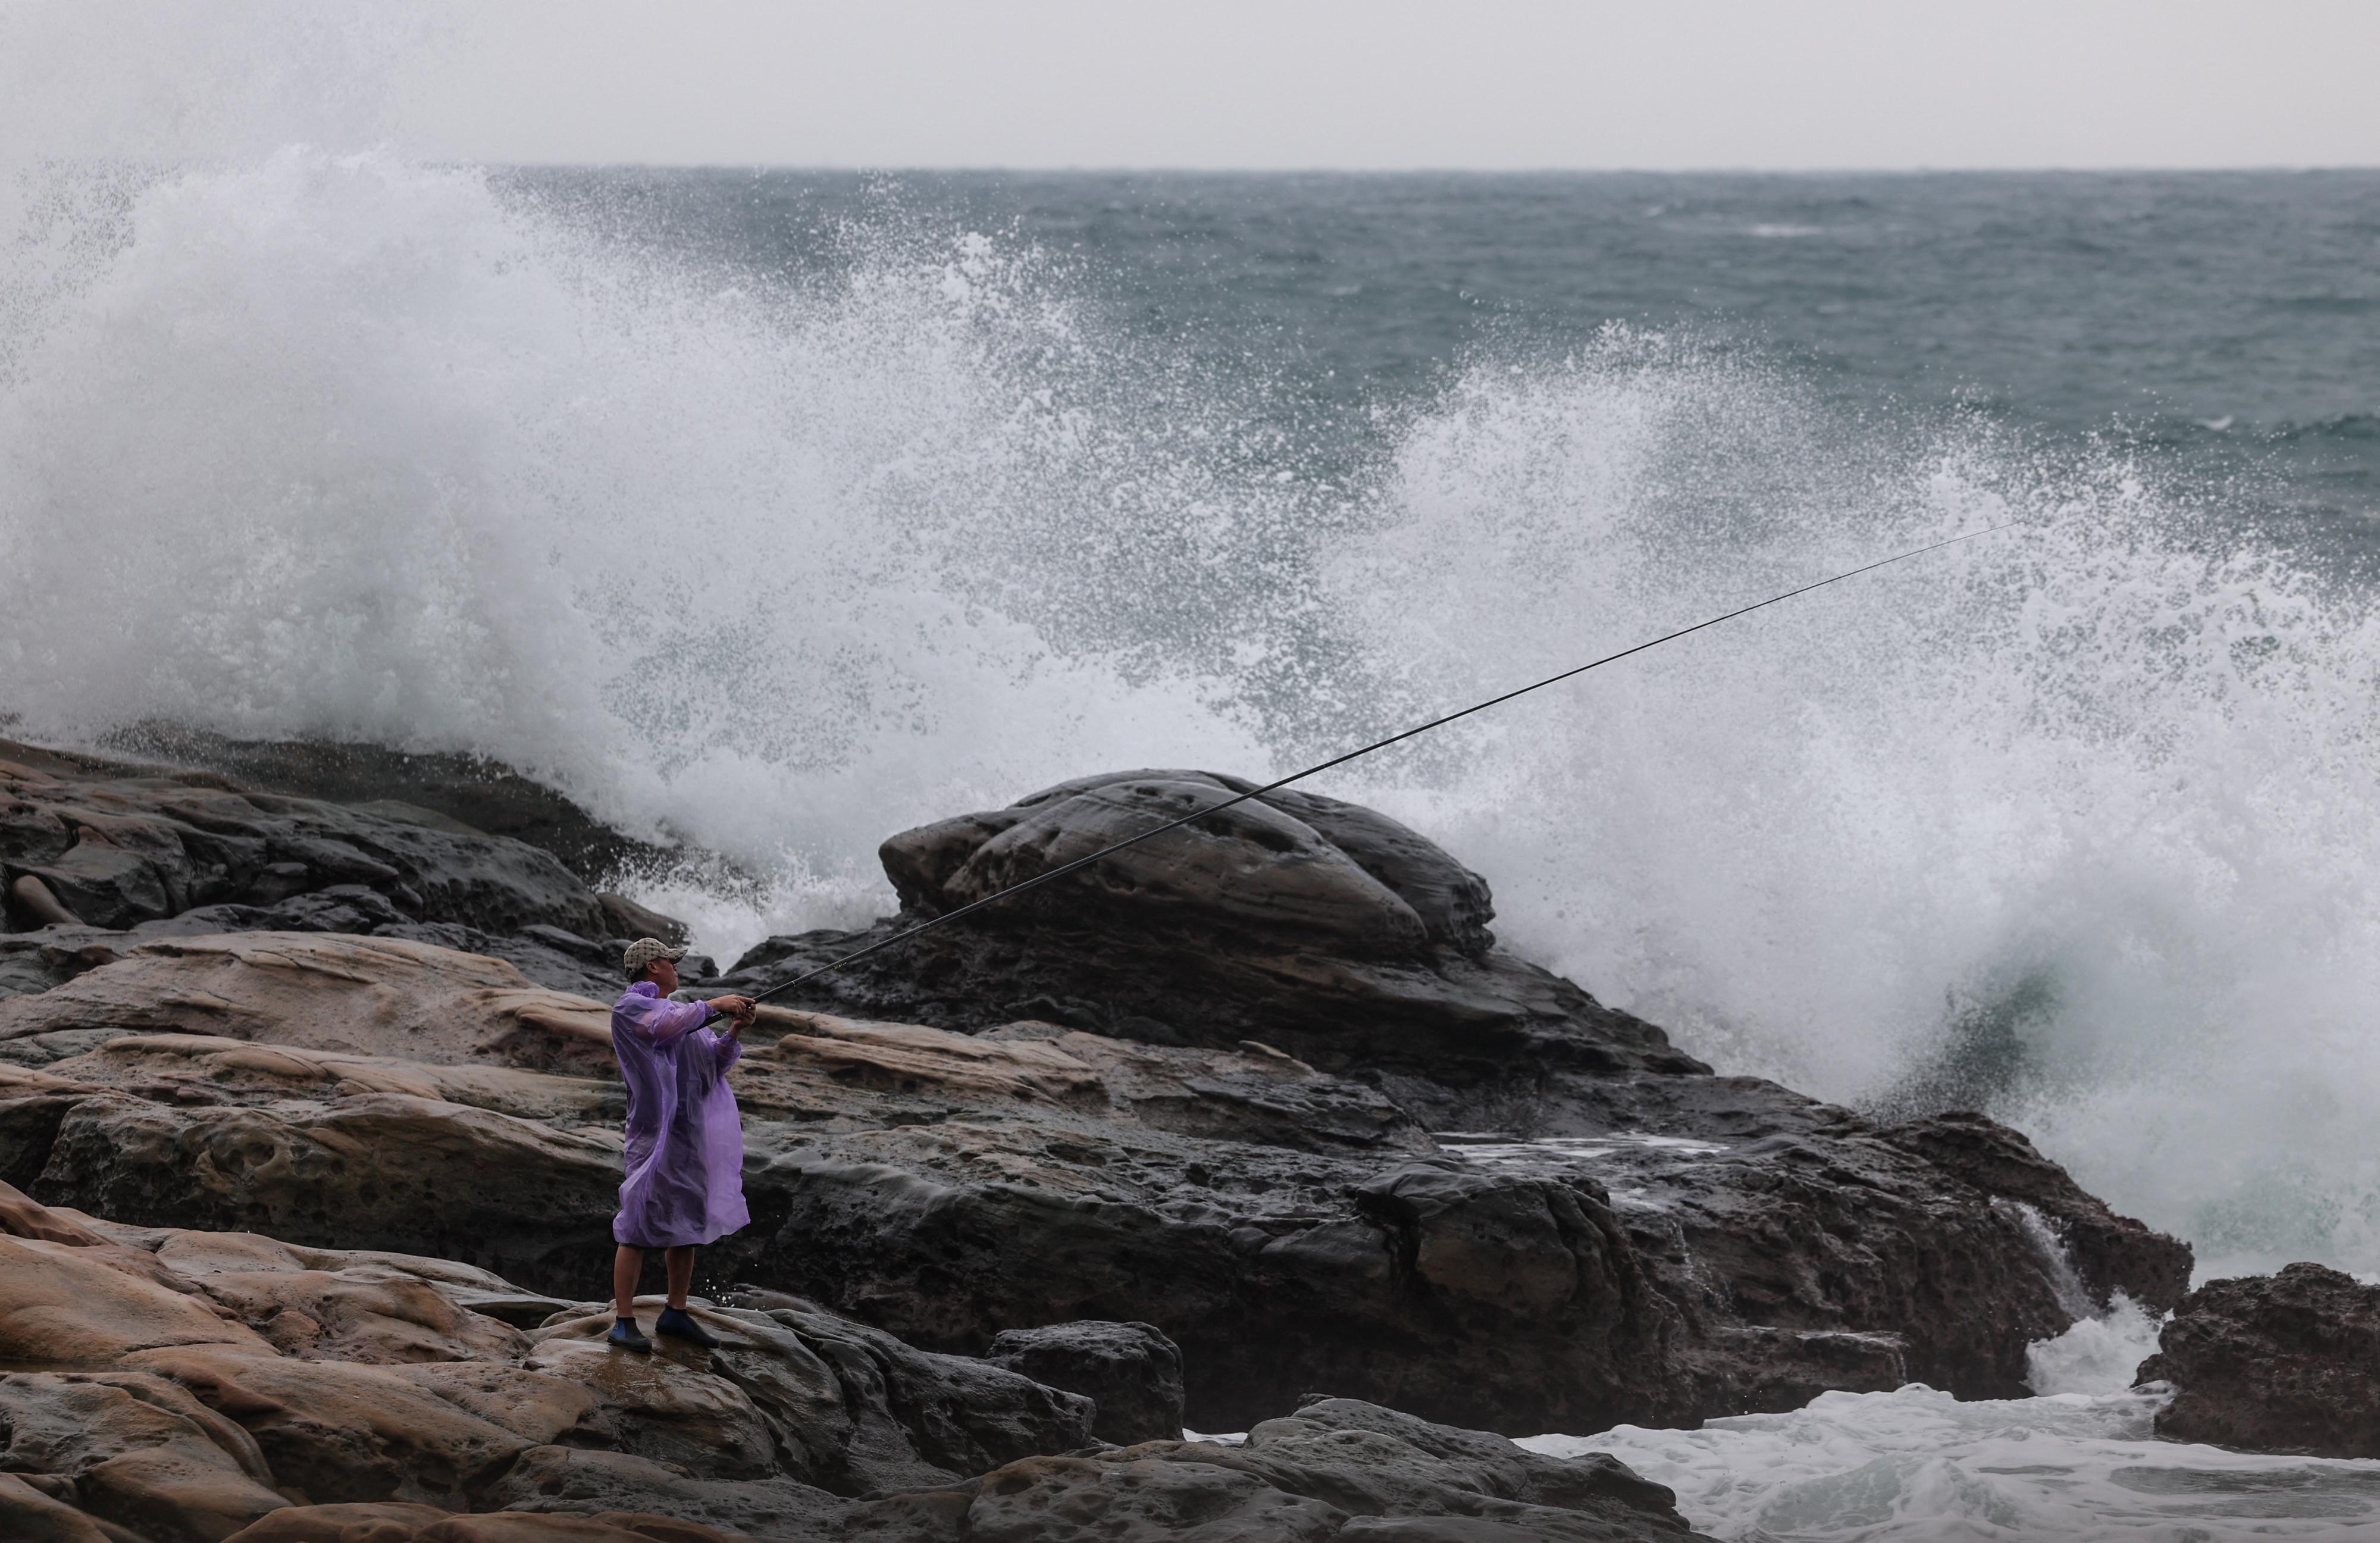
x: 1264, y: 1086
x: 178, y: 1386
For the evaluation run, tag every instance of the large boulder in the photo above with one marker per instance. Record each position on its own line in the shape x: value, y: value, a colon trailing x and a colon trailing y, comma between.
x: 1130, y: 1371
x: 1282, y: 861
x: 2286, y: 1363
x: 1320, y: 927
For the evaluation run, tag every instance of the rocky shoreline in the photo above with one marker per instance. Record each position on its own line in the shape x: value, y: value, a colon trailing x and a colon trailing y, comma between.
x: 1261, y: 1096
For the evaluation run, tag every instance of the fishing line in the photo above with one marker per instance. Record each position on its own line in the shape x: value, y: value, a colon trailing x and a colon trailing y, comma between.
x: 1080, y: 863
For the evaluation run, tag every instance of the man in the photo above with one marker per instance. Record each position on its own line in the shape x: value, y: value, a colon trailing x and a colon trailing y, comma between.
x: 684, y: 1185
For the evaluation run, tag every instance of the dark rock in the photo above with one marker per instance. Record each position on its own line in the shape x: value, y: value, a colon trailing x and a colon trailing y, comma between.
x: 2286, y: 1363
x: 1338, y: 1469
x: 1131, y: 1370
x: 471, y: 793
x: 2110, y: 1253
x: 630, y: 921
x: 1319, y: 927
x: 120, y: 845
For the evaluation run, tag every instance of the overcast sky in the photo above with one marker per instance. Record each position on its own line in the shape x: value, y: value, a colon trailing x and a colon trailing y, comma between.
x: 1396, y: 83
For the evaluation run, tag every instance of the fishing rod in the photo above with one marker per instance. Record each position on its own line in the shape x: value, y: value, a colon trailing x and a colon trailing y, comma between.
x: 1063, y: 869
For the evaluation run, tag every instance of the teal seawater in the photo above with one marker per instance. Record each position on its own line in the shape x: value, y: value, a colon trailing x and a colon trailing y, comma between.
x: 2223, y: 326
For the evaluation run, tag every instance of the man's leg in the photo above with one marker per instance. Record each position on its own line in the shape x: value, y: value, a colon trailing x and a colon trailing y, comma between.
x: 627, y: 1271
x: 676, y: 1321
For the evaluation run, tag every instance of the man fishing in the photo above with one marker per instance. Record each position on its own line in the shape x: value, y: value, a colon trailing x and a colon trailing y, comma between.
x: 684, y: 1157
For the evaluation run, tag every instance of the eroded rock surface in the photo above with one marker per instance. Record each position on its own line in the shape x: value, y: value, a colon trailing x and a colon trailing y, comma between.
x: 181, y: 1386
x: 1292, y: 1230
x: 1130, y: 1371
x: 2285, y: 1363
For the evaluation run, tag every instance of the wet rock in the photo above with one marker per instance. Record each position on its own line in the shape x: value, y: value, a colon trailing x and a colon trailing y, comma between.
x: 469, y: 792
x: 387, y: 1522
x: 394, y: 1413
x: 2110, y: 1253
x: 115, y: 845
x: 1338, y: 1469
x: 1131, y: 1370
x: 568, y: 1480
x: 1287, y: 1227
x: 386, y: 997
x: 1319, y: 926
x: 2285, y: 1363
x: 136, y: 1450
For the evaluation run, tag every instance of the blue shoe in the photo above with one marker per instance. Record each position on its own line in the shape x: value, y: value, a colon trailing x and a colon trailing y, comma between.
x: 679, y: 1324
x: 628, y: 1336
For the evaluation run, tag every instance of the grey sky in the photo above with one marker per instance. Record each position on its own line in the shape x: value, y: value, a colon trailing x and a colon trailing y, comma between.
x: 1484, y: 83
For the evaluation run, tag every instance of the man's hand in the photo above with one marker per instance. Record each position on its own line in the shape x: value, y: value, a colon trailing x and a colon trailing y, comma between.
x: 739, y: 1009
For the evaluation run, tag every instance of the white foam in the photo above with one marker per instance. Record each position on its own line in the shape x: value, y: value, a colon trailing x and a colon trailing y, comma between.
x: 2099, y: 786
x: 2100, y: 1355
x: 1918, y: 1466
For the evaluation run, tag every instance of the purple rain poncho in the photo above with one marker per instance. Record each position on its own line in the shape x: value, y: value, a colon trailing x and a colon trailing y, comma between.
x: 686, y: 1141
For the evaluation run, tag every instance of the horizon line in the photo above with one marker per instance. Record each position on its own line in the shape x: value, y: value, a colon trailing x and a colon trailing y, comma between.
x: 1194, y: 169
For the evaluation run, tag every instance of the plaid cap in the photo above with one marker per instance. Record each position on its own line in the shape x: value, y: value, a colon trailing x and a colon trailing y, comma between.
x: 644, y: 950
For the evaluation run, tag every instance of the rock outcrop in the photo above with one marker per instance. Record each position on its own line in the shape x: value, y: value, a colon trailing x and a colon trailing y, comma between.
x: 1292, y: 1229
x: 1263, y: 1084
x: 1735, y: 1246
x: 98, y: 850
x: 179, y: 1386
x: 2286, y: 1363
x: 1315, y: 926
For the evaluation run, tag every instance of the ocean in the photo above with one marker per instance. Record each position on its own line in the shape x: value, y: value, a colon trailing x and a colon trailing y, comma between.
x: 769, y: 512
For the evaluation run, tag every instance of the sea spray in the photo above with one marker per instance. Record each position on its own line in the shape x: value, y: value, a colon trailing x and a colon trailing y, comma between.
x: 413, y: 467
x: 2072, y: 823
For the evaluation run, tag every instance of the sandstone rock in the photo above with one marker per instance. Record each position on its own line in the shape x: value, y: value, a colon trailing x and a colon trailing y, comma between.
x: 371, y: 1316
x: 30, y: 1516
x: 1131, y: 1370
x: 395, y: 1522
x: 1283, y: 1223
x: 568, y: 1480
x: 2283, y: 1363
x: 1599, y: 1230
x: 354, y: 995
x: 66, y: 1307
x: 385, y: 1522
x: 1247, y: 869
x: 342, y: 1433
x: 135, y: 1450
x: 1090, y: 1500
x: 666, y: 1406
x: 917, y: 1418
x: 499, y: 1439
x: 471, y: 793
